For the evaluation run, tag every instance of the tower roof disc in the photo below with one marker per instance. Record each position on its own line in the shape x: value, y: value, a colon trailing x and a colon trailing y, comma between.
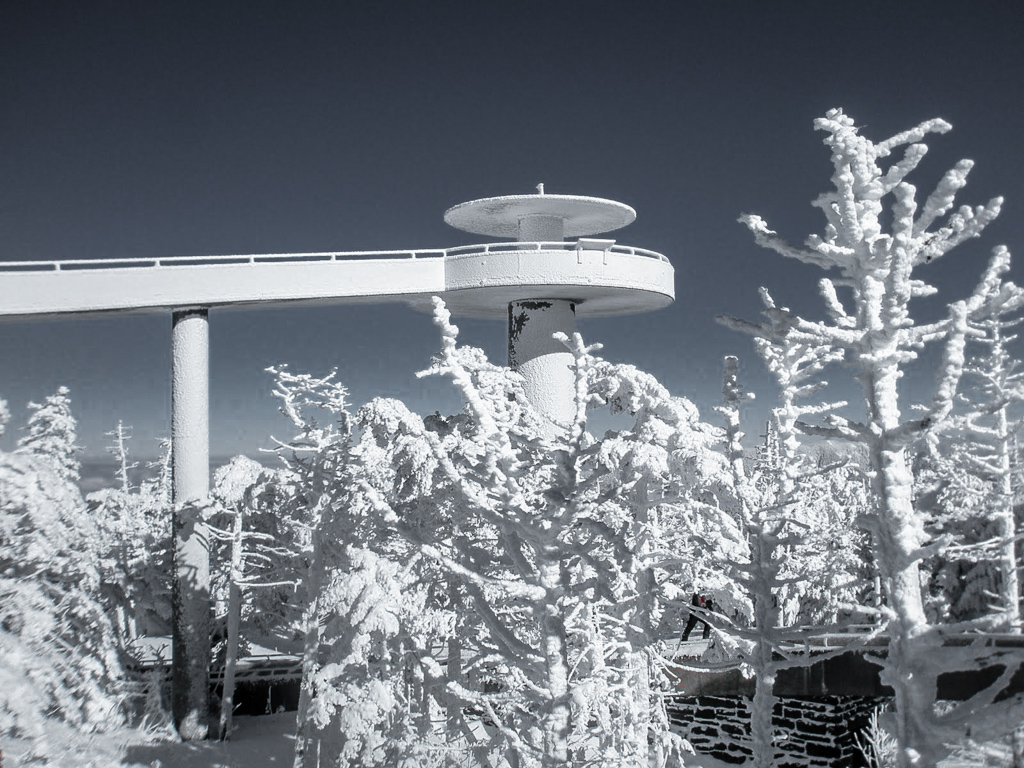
x: 501, y: 216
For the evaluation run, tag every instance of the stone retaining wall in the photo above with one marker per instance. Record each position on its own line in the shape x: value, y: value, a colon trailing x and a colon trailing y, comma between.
x: 817, y: 731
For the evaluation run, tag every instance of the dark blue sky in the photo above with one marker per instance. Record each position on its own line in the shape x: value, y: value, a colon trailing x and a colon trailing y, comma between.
x: 151, y: 129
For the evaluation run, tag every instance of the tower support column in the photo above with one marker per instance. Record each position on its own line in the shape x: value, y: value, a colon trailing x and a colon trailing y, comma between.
x: 190, y: 473
x: 545, y: 363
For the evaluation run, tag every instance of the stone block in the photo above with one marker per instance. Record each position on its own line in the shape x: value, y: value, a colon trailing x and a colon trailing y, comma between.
x: 808, y: 726
x: 822, y: 750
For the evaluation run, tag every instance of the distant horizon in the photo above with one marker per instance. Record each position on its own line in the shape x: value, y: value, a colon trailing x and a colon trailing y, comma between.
x: 99, y: 472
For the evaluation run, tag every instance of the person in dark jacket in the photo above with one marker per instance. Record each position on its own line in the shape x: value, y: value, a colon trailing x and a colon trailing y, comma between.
x: 700, y: 601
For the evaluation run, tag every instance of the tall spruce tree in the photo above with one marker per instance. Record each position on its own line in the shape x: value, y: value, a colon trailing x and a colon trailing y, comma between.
x: 59, y: 648
x: 51, y: 433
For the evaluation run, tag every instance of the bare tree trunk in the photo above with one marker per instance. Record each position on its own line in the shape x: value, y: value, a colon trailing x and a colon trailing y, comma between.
x: 453, y: 709
x: 227, y: 702
x: 896, y: 536
x: 304, y: 756
x: 1009, y: 583
x: 1017, y: 746
x: 766, y: 619
x: 555, y: 721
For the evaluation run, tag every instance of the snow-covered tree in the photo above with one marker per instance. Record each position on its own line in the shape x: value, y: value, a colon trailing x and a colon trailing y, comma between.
x: 872, y: 326
x: 992, y: 400
x: 783, y: 525
x: 565, y: 584
x: 135, y: 557
x: 761, y: 527
x: 486, y: 593
x: 51, y: 433
x: 59, y: 648
x: 121, y: 436
x: 962, y: 577
x: 249, y: 554
x: 835, y: 564
x: 316, y: 458
x: 370, y: 594
x: 5, y: 415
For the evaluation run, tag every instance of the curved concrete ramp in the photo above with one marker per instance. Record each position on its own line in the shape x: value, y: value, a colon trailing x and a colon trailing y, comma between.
x: 600, y: 276
x: 70, y: 287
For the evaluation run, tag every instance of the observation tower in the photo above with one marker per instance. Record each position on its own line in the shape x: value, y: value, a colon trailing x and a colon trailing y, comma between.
x: 541, y: 282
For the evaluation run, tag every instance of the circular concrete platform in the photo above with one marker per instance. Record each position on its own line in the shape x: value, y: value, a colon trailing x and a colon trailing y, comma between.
x: 480, y: 281
x: 508, y: 216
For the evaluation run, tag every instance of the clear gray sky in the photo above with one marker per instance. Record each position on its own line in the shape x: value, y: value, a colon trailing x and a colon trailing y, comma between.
x: 151, y: 129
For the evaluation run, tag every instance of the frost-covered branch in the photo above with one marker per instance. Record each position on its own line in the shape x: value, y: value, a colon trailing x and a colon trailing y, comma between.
x: 877, y: 336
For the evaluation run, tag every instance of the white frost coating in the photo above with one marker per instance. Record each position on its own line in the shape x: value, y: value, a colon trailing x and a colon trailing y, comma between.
x: 473, y: 280
x: 544, y: 362
x: 878, y: 338
x: 541, y: 227
x: 600, y: 281
x: 976, y: 479
x: 108, y: 286
x: 51, y: 433
x: 503, y: 216
x: 190, y: 405
x: 190, y: 485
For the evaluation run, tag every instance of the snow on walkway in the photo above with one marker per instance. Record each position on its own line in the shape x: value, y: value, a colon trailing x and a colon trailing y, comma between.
x: 267, y: 741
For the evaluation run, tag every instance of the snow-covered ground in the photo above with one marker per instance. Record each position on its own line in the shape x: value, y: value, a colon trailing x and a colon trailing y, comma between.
x: 268, y: 741
x: 256, y: 742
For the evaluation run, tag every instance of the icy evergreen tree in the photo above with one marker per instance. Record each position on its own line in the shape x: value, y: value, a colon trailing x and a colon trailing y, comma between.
x: 992, y: 400
x: 318, y: 460
x: 762, y: 529
x: 836, y: 566
x: 247, y: 560
x: 51, y: 433
x: 873, y: 328
x: 370, y: 594
x: 59, y: 649
x: 968, y: 478
x: 482, y: 593
x: 962, y: 577
x: 785, y: 522
x: 135, y: 560
x: 796, y: 492
x: 564, y: 588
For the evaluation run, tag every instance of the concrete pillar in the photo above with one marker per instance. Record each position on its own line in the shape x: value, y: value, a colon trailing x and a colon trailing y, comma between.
x: 190, y: 479
x: 190, y: 405
x: 545, y: 364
